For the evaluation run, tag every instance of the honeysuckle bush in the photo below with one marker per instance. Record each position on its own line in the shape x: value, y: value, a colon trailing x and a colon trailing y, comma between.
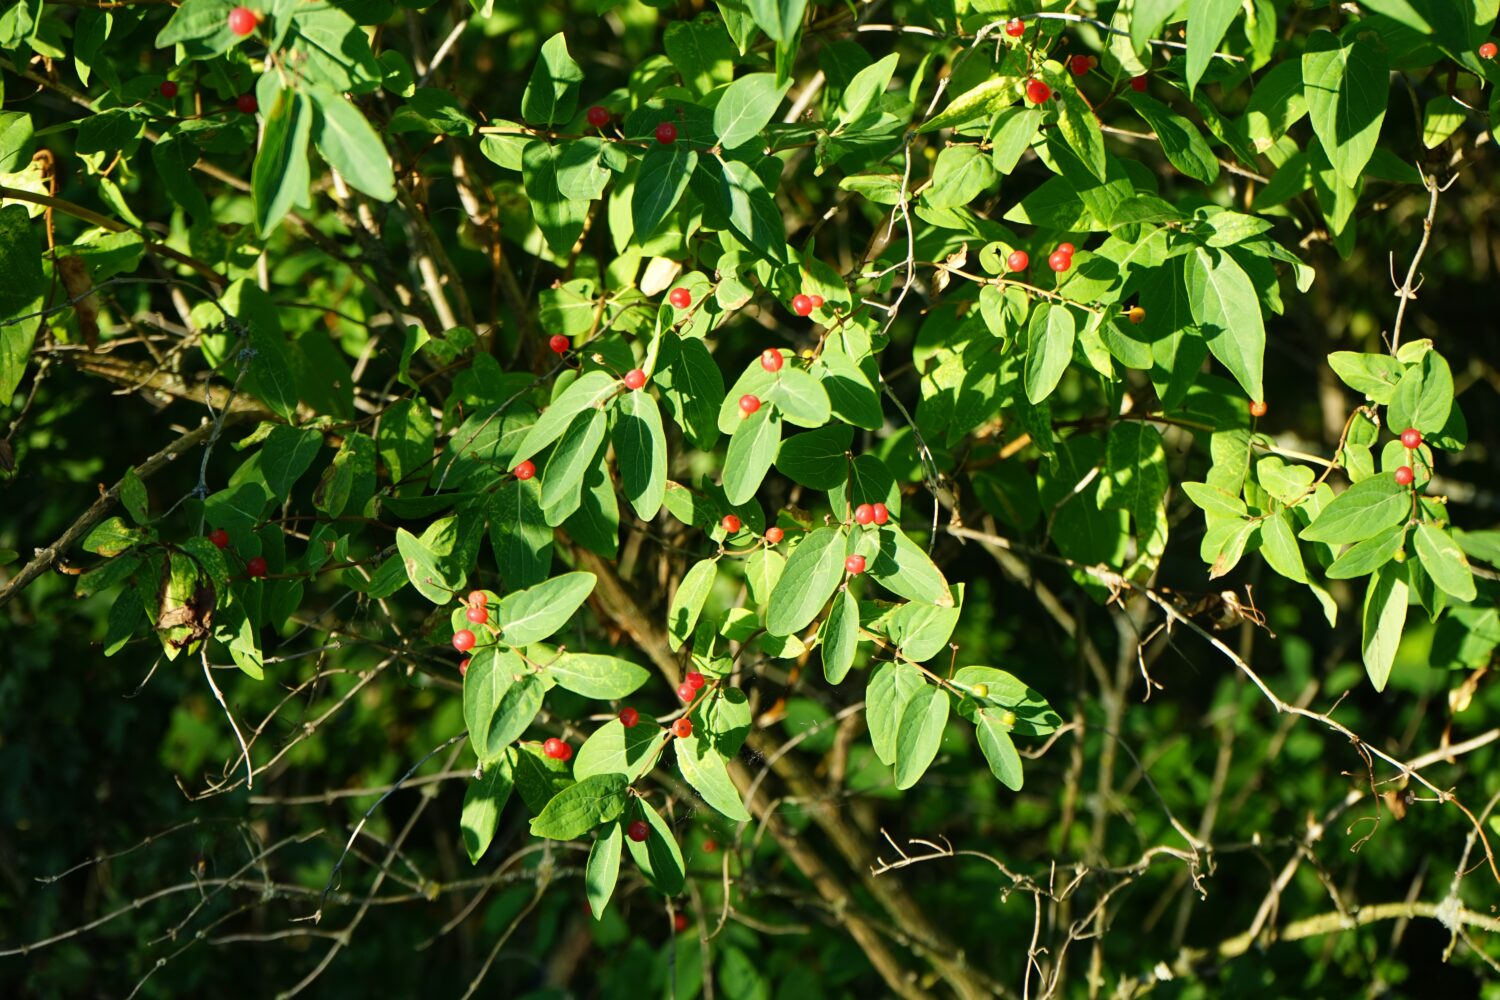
x: 661, y: 368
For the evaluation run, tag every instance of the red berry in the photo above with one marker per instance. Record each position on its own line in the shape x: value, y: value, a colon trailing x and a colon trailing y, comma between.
x: 774, y: 535
x: 685, y: 692
x: 1066, y: 248
x: 1488, y: 50
x: 881, y: 514
x: 666, y: 133
x: 680, y: 921
x: 681, y: 298
x: 247, y: 103
x: 1411, y: 438
x: 710, y: 846
x: 682, y: 728
x: 1060, y: 261
x: 463, y: 640
x: 478, y: 615
x: 629, y: 717
x: 463, y: 666
x: 169, y: 89
x: 864, y: 513
x: 598, y: 117
x: 219, y: 537
x: 749, y: 404
x: 802, y: 305
x: 559, y: 343
x: 1138, y: 84
x: 771, y: 359
x: 1037, y: 91
x: 817, y: 301
x: 525, y: 470
x: 1079, y: 65
x: 1404, y: 476
x: 696, y: 680
x: 635, y: 378
x: 1015, y: 27
x: 1017, y: 261
x: 731, y: 523
x: 638, y: 831
x: 255, y: 566
x: 242, y: 20
x: 854, y: 565
x: 477, y: 598
x: 1258, y: 408
x: 557, y: 749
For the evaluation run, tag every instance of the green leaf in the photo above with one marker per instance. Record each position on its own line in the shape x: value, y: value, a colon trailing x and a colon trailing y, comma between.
x: 501, y: 698
x: 901, y: 567
x: 658, y: 856
x: 961, y: 174
x: 595, y: 675
x: 575, y: 455
x: 745, y: 108
x: 693, y: 387
x: 1207, y: 22
x: 1227, y: 310
x: 280, y: 177
x: 687, y: 603
x: 921, y: 630
x: 663, y: 177
x: 1346, y: 84
x: 1011, y: 134
x: 551, y: 96
x: 817, y: 459
x: 1441, y: 117
x: 751, y: 209
x: 813, y: 570
x: 641, y: 452
x: 112, y: 536
x: 1147, y: 18
x: 590, y: 390
x: 1180, y: 139
x: 603, y: 868
x: 1049, y: 349
x: 1372, y: 375
x: 1424, y: 397
x: 1445, y: 562
x: 752, y: 449
x: 1383, y: 618
x: 978, y: 102
x: 536, y: 613
x: 613, y: 749
x: 538, y: 777
x: 577, y: 809
x: 919, y: 733
x: 840, y: 637
x: 351, y: 146
x: 21, y: 295
x: 423, y: 569
x: 286, y: 456
x: 799, y: 397
x: 865, y: 88
x: 892, y: 686
x: 1279, y: 546
x: 1080, y: 128
x: 1360, y: 511
x: 779, y: 19
x: 201, y: 27
x: 559, y: 218
x: 998, y: 748
x: 519, y: 533
x: 705, y: 770
x: 1363, y: 558
x: 484, y: 799
x: 585, y: 167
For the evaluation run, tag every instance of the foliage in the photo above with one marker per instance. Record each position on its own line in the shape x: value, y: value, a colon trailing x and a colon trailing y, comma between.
x: 417, y: 308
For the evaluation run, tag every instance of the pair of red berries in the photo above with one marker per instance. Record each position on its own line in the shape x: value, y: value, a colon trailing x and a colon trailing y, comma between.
x: 1062, y: 258
x: 803, y: 305
x: 867, y: 513
x: 255, y: 566
x: 692, y: 683
x: 1080, y: 65
x: 1411, y: 439
x: 557, y: 749
x: 475, y: 609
